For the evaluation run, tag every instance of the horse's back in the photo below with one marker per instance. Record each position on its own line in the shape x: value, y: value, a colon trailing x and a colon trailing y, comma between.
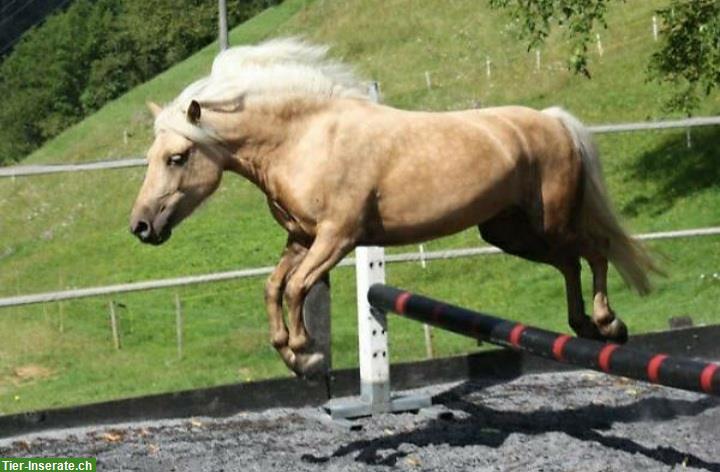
x: 439, y: 173
x: 536, y: 132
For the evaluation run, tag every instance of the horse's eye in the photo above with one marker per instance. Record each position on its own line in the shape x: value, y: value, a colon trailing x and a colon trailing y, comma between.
x: 178, y: 160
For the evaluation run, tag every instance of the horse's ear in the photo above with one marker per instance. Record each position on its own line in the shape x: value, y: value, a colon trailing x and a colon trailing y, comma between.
x: 193, y: 112
x: 154, y: 108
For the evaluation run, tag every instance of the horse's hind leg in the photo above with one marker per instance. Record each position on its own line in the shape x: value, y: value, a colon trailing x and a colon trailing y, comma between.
x: 577, y: 319
x: 513, y: 232
x: 610, y: 326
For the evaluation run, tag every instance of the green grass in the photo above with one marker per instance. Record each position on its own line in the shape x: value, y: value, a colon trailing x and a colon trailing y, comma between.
x: 70, y: 230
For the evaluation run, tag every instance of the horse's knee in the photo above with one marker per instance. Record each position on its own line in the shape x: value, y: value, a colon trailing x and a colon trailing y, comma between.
x: 279, y: 339
x: 294, y: 290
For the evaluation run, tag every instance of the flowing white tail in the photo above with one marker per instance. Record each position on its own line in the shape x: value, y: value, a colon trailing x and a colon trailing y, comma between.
x: 599, y: 220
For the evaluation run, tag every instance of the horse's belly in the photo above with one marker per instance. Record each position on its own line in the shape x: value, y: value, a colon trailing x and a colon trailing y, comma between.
x: 418, y: 216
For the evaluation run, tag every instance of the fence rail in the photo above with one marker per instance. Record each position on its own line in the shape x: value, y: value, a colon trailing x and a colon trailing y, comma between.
x: 422, y: 256
x: 48, y: 297
x: 656, y: 125
x: 30, y: 170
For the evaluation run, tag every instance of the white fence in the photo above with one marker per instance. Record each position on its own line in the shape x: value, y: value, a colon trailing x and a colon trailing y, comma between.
x: 30, y: 170
x: 422, y: 256
x: 656, y: 125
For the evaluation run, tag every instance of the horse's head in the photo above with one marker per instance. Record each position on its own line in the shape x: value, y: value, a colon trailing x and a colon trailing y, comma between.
x: 181, y: 174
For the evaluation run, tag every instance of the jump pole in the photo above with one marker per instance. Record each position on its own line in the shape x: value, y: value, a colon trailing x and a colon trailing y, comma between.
x: 671, y: 371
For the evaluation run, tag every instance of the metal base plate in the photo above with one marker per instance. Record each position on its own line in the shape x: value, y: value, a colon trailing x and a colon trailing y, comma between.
x: 347, y: 408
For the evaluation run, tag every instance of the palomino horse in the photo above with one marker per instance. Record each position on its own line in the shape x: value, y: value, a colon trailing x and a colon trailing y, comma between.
x: 340, y: 171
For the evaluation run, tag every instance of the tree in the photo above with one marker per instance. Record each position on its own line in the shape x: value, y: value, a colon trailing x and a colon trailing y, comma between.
x: 93, y: 52
x: 689, y: 54
x: 42, y: 79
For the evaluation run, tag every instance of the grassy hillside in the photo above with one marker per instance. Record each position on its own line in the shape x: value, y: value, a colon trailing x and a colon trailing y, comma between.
x: 70, y: 230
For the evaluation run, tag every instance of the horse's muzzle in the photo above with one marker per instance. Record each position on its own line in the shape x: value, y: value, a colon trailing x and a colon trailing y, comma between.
x: 145, y: 232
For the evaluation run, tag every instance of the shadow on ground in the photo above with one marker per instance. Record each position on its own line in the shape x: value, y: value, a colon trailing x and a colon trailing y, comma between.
x: 676, y: 170
x: 484, y: 426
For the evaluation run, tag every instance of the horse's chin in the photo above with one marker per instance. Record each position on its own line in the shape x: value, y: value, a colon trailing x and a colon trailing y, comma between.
x: 161, y: 237
x: 162, y: 227
x: 158, y: 238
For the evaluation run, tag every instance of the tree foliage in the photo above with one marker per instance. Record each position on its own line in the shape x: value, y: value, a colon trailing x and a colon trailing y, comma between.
x: 93, y: 52
x: 689, y: 54
x: 538, y: 17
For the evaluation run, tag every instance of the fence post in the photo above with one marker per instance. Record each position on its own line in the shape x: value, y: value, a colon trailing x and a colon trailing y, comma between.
x: 655, y: 27
x: 61, y: 310
x: 61, y: 315
x: 179, y: 325
x: 429, y: 351
x: 114, y: 326
x: 222, y: 25
x: 427, y: 329
x: 317, y: 319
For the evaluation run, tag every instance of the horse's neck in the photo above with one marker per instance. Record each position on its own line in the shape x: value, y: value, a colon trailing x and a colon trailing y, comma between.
x: 262, y: 136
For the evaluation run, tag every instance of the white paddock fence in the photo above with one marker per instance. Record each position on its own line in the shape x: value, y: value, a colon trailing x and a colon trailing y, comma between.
x: 420, y: 256
x: 30, y: 170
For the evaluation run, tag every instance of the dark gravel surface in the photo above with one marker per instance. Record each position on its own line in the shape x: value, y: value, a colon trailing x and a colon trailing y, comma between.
x: 579, y: 421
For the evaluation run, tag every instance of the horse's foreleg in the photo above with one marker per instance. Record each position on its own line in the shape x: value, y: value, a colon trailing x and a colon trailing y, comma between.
x: 604, y: 318
x: 327, y: 250
x: 291, y: 257
x: 578, y: 320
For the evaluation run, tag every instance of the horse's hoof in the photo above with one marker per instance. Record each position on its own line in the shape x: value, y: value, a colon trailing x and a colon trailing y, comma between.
x: 310, y: 365
x: 587, y: 330
x: 616, y: 331
x: 288, y: 357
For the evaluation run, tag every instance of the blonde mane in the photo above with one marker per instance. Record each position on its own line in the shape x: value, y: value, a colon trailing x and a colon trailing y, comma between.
x: 273, y: 70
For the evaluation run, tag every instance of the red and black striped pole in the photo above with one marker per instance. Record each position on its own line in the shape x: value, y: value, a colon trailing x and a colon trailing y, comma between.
x: 611, y: 358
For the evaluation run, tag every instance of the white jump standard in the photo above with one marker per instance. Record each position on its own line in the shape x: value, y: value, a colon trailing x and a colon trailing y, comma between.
x: 375, y: 391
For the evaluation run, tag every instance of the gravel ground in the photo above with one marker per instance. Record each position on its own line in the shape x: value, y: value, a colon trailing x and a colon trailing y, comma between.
x: 580, y: 421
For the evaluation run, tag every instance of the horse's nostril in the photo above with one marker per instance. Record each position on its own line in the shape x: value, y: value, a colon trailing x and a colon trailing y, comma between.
x: 141, y: 230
